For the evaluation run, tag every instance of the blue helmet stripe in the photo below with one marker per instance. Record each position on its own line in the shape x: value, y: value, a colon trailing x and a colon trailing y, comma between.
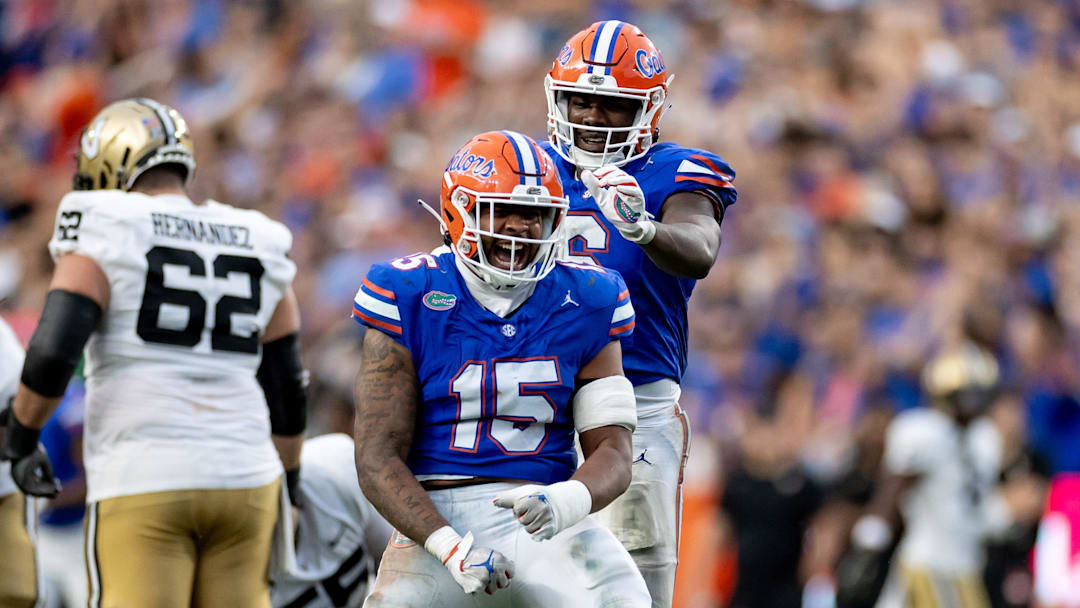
x: 602, y: 44
x: 595, y: 41
x: 611, y: 46
x: 534, y: 179
x: 527, y: 161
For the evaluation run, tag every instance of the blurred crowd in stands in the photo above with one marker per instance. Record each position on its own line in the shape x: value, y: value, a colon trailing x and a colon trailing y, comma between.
x: 908, y: 176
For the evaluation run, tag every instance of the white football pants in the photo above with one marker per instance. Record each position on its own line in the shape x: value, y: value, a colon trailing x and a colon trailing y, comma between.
x: 647, y: 518
x: 581, y: 566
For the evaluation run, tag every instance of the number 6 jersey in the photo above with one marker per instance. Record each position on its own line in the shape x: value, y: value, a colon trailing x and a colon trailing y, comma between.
x: 172, y: 399
x: 496, y: 392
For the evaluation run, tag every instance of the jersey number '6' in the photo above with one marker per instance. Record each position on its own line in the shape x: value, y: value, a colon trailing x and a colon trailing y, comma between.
x: 586, y: 235
x: 521, y: 410
x: 157, y: 294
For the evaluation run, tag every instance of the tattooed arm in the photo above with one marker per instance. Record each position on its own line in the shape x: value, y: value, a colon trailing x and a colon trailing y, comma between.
x: 387, y: 398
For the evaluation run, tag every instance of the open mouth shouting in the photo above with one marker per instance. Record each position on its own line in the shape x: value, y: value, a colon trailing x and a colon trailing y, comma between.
x: 510, y: 255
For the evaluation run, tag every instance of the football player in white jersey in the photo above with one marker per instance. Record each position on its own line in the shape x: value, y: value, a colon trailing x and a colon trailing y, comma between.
x: 941, y: 466
x: 20, y: 574
x: 326, y: 556
x: 190, y: 326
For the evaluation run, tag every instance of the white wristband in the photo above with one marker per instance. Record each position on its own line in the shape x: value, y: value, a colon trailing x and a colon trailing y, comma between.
x: 571, y: 502
x: 441, y: 543
x: 640, y: 232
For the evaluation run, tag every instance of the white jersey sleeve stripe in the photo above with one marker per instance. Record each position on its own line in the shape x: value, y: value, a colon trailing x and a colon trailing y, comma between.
x: 623, y: 312
x: 383, y: 309
x: 688, y: 166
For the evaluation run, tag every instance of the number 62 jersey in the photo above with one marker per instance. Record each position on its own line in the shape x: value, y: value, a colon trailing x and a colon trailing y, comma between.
x: 171, y: 388
x: 496, y: 392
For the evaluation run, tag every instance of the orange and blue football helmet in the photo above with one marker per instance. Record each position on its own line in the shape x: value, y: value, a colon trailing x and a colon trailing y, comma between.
x: 607, y: 58
x: 502, y: 167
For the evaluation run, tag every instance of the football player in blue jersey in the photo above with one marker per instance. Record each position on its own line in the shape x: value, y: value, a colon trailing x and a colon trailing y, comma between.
x: 652, y: 211
x: 481, y: 360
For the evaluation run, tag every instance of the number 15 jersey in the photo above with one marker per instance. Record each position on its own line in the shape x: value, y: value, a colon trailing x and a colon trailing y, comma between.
x: 172, y: 399
x: 496, y: 392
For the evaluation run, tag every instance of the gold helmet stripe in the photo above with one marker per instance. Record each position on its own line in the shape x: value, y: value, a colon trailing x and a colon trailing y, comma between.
x: 163, y: 115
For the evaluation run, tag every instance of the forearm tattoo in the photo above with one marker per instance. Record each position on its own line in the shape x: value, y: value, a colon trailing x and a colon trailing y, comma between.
x: 387, y: 401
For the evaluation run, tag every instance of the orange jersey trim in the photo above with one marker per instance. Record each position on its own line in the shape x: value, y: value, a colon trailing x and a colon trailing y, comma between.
x: 709, y: 163
x: 622, y: 328
x: 712, y: 181
x: 377, y: 323
x: 386, y: 293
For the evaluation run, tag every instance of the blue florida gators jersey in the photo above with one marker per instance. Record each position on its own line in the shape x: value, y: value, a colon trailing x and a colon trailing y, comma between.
x: 496, y: 392
x: 658, y: 347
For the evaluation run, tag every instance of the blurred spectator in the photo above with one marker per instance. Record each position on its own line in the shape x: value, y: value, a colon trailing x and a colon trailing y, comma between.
x: 1009, y: 582
x: 768, y: 502
x: 940, y: 486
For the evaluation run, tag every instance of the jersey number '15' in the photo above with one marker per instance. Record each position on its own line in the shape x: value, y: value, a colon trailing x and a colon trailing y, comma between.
x: 157, y: 294
x: 520, y: 409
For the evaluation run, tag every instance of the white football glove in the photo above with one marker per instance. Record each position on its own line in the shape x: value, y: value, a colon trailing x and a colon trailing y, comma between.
x: 622, y: 202
x: 473, y: 568
x: 547, y: 510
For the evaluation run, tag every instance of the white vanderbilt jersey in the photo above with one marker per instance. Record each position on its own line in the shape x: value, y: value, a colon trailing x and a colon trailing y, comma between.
x: 172, y: 402
x: 945, y: 511
x: 331, y: 559
x: 11, y: 364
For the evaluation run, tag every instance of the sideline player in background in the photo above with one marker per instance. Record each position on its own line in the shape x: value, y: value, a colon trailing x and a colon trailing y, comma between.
x: 21, y: 582
x: 327, y: 551
x: 180, y: 306
x: 651, y: 211
x: 480, y: 362
x: 940, y: 482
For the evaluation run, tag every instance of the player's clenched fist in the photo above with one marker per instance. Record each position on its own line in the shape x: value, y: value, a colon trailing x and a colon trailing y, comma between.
x: 547, y: 510
x: 620, y: 199
x: 473, y: 568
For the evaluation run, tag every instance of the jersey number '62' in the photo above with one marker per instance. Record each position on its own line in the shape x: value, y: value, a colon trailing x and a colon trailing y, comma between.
x: 157, y: 294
